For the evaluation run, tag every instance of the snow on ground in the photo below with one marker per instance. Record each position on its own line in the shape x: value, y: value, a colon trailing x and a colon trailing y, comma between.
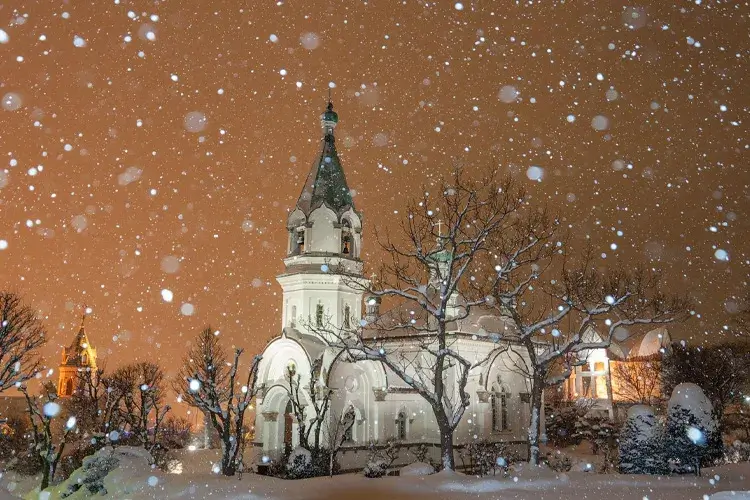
x: 136, y: 480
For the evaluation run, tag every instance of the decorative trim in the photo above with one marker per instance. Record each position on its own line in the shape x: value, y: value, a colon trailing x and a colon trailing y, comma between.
x: 484, y: 396
x: 270, y: 416
x: 402, y: 390
x: 380, y: 393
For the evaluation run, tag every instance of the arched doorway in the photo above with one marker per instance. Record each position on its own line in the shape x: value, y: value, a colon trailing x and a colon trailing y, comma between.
x: 288, y: 425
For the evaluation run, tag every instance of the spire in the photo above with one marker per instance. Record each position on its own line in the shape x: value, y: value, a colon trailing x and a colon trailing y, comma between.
x: 326, y: 183
x: 80, y: 344
x: 83, y: 317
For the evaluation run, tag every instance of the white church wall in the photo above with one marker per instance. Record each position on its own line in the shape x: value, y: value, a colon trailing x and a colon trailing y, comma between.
x: 302, y: 294
x: 323, y: 237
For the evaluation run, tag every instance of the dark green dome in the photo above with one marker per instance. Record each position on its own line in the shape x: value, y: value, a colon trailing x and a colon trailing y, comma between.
x: 441, y: 256
x: 330, y: 115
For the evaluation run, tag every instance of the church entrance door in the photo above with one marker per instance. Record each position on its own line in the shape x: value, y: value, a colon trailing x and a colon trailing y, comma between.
x: 288, y: 424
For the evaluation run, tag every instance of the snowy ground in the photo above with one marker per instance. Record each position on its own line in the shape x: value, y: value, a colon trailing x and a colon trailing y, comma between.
x: 135, y: 480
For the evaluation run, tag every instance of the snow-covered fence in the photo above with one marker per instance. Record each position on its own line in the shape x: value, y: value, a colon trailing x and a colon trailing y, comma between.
x: 354, y: 458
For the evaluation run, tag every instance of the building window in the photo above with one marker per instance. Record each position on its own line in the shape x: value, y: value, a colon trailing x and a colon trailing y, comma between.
x: 346, y: 238
x: 300, y: 241
x: 68, y: 387
x: 500, y: 412
x: 401, y: 426
x: 319, y: 316
x: 347, y: 315
x: 599, y: 366
x: 586, y: 391
x: 349, y: 431
x: 293, y: 319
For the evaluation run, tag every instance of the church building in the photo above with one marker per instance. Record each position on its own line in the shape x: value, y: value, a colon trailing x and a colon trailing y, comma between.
x: 79, y: 355
x: 325, y: 229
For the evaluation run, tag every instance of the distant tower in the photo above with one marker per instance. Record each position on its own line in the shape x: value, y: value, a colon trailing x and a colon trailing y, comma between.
x: 78, y: 356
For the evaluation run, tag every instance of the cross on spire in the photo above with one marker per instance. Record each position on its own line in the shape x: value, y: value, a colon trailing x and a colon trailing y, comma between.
x: 439, y: 224
x: 83, y: 315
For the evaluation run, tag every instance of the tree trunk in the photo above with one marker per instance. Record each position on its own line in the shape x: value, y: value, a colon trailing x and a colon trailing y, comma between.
x: 535, y: 424
x: 446, y: 447
x: 228, y: 465
x: 206, y: 431
x: 610, y: 393
x: 46, y: 475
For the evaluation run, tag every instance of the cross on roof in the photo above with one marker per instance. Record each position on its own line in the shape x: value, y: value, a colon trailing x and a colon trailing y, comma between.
x: 439, y: 224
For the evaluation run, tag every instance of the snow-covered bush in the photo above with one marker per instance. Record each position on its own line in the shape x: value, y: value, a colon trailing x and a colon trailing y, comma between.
x: 375, y: 468
x: 642, y: 443
x: 422, y: 454
x: 560, y: 423
x: 95, y: 469
x: 738, y: 453
x: 693, y: 438
x: 483, y: 457
x: 299, y: 465
x: 417, y: 469
x: 559, y: 462
x: 380, y: 459
x: 599, y: 431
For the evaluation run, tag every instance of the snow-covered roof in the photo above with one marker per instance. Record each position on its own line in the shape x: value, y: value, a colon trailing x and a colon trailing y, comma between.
x: 312, y: 344
x: 482, y: 321
x: 652, y: 343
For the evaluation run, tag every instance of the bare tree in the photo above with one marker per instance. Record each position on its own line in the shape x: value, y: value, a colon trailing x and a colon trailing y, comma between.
x: 722, y: 371
x: 209, y: 382
x: 145, y: 402
x: 638, y: 380
x: 21, y: 336
x: 320, y: 400
x: 431, y: 273
x: 176, y: 432
x: 562, y: 306
x: 42, y: 411
x: 741, y: 322
x: 498, y: 252
x: 337, y: 429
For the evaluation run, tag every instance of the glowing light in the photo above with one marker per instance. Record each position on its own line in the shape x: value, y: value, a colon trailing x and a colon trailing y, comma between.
x: 51, y: 409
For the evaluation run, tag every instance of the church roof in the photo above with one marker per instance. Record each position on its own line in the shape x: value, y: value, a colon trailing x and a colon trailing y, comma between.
x: 482, y: 321
x: 326, y: 183
x: 72, y: 354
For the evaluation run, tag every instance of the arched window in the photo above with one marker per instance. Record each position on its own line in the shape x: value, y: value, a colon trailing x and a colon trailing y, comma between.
x: 346, y: 238
x: 319, y: 316
x: 349, y: 430
x: 300, y: 241
x: 401, y: 426
x: 293, y: 319
x: 68, y: 387
x: 84, y: 358
x: 500, y: 411
x: 347, y: 316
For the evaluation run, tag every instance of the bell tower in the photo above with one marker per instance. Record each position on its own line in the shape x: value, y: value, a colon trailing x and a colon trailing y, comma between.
x: 78, y: 357
x: 325, y: 235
